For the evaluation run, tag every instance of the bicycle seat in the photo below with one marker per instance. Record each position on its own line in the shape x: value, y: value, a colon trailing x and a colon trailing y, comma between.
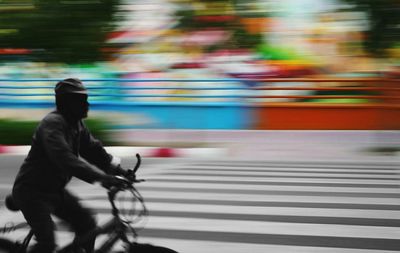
x: 10, y: 204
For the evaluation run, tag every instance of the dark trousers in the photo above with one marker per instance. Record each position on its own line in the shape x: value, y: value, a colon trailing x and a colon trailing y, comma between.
x: 37, y: 208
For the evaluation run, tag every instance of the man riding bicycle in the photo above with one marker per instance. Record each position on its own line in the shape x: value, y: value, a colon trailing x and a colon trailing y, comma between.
x: 59, y: 143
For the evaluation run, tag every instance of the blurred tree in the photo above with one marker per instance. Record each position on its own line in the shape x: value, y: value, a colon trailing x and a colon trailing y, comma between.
x: 227, y: 15
x: 71, y: 31
x: 384, y: 28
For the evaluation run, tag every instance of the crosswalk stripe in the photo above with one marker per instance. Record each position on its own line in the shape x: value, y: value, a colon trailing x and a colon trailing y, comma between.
x: 293, y: 211
x: 261, y: 200
x: 251, y: 178
x: 274, y: 192
x: 268, y: 187
x: 287, y: 170
x: 349, y: 203
x: 265, y: 227
x: 245, y: 182
x: 245, y: 174
x: 295, y: 164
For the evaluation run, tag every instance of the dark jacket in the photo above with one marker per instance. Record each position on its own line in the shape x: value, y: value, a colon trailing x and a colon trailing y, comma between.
x: 54, y: 157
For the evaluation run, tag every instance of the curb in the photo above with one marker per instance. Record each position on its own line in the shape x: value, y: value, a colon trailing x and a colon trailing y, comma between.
x: 165, y: 152
x: 162, y: 152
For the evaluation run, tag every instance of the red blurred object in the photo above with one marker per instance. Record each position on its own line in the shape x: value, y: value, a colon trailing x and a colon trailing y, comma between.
x: 3, y: 149
x: 15, y: 51
x: 393, y: 73
x: 216, y: 18
x: 188, y: 65
x: 230, y: 52
x: 165, y: 152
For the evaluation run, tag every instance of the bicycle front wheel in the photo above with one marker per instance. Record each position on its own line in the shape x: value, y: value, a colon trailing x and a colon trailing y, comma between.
x: 7, y: 246
x: 149, y: 248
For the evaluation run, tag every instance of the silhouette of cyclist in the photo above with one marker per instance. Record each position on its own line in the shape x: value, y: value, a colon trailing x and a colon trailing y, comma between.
x: 59, y: 143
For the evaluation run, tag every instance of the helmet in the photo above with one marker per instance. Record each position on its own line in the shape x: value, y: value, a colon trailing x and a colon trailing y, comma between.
x: 70, y: 85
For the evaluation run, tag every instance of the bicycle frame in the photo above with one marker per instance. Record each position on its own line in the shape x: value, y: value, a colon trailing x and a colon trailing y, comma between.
x: 116, y: 227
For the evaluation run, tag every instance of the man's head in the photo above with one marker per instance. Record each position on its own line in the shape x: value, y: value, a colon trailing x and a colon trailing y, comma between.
x: 71, y: 98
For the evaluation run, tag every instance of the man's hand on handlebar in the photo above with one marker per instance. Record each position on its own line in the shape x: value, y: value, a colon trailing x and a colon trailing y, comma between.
x: 119, y: 171
x: 108, y: 181
x: 120, y: 177
x: 128, y: 174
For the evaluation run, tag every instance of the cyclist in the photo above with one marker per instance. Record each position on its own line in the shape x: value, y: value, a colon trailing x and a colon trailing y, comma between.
x: 58, y: 145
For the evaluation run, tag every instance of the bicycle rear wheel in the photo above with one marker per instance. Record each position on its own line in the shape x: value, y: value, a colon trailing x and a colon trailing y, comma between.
x: 7, y: 246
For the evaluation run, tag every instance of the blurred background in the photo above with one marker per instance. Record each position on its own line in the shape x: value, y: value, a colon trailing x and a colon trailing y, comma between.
x: 284, y: 115
x: 203, y: 65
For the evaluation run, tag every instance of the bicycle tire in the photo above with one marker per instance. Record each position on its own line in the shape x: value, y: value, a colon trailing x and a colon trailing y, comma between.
x: 7, y: 246
x: 149, y: 248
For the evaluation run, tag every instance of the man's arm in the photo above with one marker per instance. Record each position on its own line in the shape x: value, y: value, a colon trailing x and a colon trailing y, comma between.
x: 52, y: 135
x: 92, y: 150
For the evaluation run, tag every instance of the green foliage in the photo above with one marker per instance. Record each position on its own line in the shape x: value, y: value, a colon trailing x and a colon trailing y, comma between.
x: 240, y: 38
x: 273, y: 52
x: 17, y: 132
x: 384, y: 19
x: 70, y: 31
x: 14, y: 132
x: 98, y: 127
x: 243, y: 39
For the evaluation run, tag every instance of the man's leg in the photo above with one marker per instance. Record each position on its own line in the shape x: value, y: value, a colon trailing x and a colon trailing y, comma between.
x: 81, y: 219
x: 37, y: 213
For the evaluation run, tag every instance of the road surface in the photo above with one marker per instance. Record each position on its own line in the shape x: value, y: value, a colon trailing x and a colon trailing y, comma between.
x: 253, y: 206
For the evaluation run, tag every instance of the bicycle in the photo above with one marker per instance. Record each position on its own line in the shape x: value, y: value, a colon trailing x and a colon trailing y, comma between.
x: 117, y: 228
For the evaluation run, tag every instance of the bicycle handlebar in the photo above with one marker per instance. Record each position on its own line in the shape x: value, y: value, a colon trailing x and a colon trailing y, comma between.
x: 127, y: 181
x: 139, y: 161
